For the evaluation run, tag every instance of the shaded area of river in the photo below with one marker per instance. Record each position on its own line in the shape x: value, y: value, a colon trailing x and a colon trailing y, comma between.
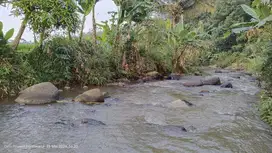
x: 138, y: 118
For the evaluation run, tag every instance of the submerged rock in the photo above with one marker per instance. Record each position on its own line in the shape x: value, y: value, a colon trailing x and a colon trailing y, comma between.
x: 179, y: 104
x: 90, y: 121
x: 204, y: 91
x: 94, y: 95
x: 226, y: 85
x: 236, y: 76
x: 41, y: 93
x: 174, y: 128
x: 191, y: 129
x: 155, y: 118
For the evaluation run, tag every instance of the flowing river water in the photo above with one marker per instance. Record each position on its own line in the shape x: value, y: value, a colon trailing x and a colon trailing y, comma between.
x: 143, y: 118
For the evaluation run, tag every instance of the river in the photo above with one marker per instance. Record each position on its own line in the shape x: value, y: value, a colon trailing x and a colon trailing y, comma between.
x: 143, y: 118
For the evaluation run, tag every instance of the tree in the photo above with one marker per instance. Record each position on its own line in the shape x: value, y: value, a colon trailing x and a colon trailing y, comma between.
x: 55, y: 15
x: 45, y: 16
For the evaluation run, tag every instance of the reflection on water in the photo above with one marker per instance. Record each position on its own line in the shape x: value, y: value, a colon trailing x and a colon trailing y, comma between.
x: 136, y: 119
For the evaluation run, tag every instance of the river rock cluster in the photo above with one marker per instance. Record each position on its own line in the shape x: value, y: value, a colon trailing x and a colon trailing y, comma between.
x: 46, y: 92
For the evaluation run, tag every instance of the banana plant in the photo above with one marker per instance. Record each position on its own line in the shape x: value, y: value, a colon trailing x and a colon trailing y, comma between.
x: 5, y: 37
x: 261, y: 15
x: 130, y: 11
x: 85, y: 8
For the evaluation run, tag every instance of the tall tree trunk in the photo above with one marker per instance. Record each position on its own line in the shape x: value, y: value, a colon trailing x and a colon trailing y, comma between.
x: 116, y: 40
x: 82, y: 28
x: 94, y: 28
x: 69, y: 34
x: 35, y: 38
x: 42, y: 34
x: 20, y: 33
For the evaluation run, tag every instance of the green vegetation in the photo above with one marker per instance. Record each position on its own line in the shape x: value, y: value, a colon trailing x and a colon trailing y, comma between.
x: 136, y: 40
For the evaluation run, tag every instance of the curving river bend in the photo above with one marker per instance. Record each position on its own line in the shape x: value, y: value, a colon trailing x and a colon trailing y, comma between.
x: 141, y: 118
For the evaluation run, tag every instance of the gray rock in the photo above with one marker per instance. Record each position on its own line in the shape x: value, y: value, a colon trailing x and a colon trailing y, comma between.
x: 94, y: 95
x: 226, y: 85
x: 201, y: 82
x: 196, y: 83
x: 42, y: 93
x: 211, y: 81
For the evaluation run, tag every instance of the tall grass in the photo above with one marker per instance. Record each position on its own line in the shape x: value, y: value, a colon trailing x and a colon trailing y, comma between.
x: 26, y: 48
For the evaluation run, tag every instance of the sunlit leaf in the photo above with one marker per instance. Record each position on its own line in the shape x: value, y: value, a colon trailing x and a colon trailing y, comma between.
x: 250, y: 11
x: 9, y: 34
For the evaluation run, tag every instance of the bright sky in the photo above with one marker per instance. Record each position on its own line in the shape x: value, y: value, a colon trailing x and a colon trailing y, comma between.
x: 102, y: 8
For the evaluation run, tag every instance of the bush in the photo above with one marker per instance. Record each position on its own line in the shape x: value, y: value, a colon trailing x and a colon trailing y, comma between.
x: 266, y: 108
x: 64, y: 61
x: 15, y: 72
x: 267, y: 66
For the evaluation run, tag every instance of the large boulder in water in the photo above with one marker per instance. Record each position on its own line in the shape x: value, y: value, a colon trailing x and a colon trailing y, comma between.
x: 94, y: 95
x: 201, y: 82
x: 41, y: 93
x: 195, y: 83
x: 211, y: 81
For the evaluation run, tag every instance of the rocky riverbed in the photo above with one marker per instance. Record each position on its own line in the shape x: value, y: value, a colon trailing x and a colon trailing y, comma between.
x: 161, y: 117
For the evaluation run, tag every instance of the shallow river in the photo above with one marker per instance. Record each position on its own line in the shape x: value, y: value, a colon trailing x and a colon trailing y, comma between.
x: 143, y: 118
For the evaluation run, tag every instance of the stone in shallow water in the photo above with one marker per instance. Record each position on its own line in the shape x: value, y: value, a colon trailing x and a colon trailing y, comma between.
x: 174, y: 76
x: 155, y: 118
x: 196, y: 83
x: 227, y: 85
x: 90, y: 121
x: 174, y: 130
x: 41, y: 93
x: 179, y: 104
x: 94, y: 95
x: 211, y: 81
